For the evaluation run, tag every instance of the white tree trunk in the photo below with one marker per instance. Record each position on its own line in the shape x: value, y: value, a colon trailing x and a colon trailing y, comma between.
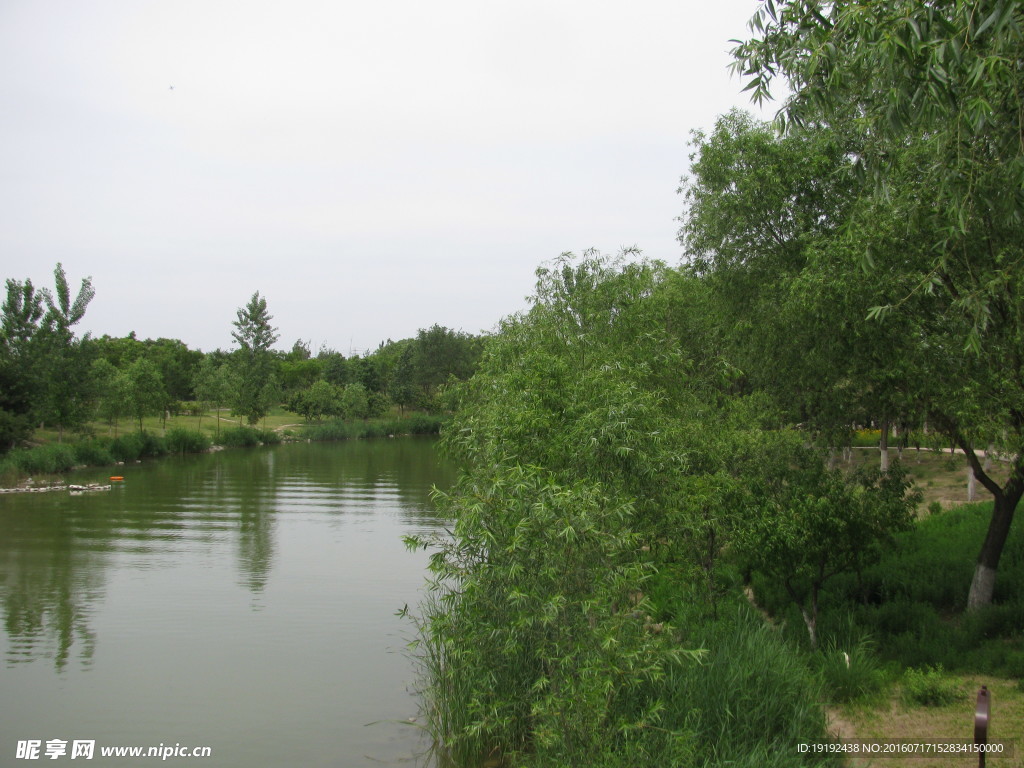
x: 982, y: 586
x: 883, y: 447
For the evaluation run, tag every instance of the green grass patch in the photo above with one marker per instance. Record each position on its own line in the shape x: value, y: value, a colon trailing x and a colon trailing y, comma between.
x: 929, y: 687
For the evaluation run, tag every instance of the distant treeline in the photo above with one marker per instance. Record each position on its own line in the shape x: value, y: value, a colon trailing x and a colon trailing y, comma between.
x: 52, y: 377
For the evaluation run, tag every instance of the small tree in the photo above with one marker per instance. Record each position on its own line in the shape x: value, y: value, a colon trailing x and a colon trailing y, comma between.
x: 355, y: 403
x: 252, y: 361
x: 66, y: 359
x: 808, y: 523
x: 144, y: 390
x: 213, y: 386
x: 110, y: 389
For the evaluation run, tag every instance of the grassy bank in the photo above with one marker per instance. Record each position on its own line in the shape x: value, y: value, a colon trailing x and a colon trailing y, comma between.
x: 189, y: 434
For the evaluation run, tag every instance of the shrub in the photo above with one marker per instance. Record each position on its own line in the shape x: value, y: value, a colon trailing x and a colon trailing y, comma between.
x: 43, y: 459
x: 849, y: 671
x: 929, y: 687
x: 238, y: 437
x: 126, y: 447
x: 522, y: 651
x: 269, y: 437
x: 94, y: 453
x: 180, y: 440
x: 137, y: 445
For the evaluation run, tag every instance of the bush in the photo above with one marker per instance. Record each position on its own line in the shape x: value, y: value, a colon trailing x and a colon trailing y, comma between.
x: 239, y: 437
x: 43, y: 459
x: 849, y: 671
x: 94, y: 453
x: 522, y: 655
x: 137, y: 445
x: 930, y: 688
x: 180, y: 440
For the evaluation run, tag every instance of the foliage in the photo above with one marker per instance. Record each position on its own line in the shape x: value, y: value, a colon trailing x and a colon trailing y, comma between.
x: 62, y: 360
x: 144, y: 393
x: 319, y: 400
x: 778, y: 228
x: 912, y: 603
x: 353, y: 402
x: 252, y: 362
x: 849, y: 671
x: 239, y: 437
x: 180, y: 440
x: 416, y: 424
x: 751, y: 699
x: 20, y: 370
x: 214, y: 384
x: 93, y: 453
x: 946, y: 71
x: 110, y: 388
x: 534, y: 599
x: 808, y: 523
x: 601, y: 448
x: 137, y: 445
x: 929, y: 687
x: 42, y: 460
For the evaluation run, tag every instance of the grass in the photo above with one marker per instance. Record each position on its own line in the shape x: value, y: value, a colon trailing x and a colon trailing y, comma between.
x: 940, y: 476
x: 917, y: 674
x: 895, y: 718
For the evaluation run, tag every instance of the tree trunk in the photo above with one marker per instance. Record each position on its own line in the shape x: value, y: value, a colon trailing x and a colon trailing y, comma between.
x: 972, y: 484
x: 883, y: 446
x: 1003, y: 508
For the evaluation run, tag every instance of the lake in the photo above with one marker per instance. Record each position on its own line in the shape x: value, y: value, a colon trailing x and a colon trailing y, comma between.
x: 243, y: 601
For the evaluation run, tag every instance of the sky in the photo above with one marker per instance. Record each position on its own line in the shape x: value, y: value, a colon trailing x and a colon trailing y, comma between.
x: 370, y: 168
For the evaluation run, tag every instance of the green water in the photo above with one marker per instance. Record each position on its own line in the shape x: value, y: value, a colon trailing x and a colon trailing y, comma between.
x: 243, y: 600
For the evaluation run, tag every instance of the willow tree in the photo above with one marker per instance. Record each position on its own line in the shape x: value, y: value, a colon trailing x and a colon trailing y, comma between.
x: 604, y: 461
x: 945, y: 79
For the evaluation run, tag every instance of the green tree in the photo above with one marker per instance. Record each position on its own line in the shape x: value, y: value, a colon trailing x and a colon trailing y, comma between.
x: 177, y: 365
x: 354, y: 402
x: 214, y: 386
x: 828, y: 359
x: 440, y: 352
x: 144, y: 390
x: 772, y: 227
x: 600, y: 451
x: 806, y: 523
x: 20, y: 363
x: 66, y: 358
x: 110, y: 392
x: 402, y: 387
x: 252, y: 361
x: 319, y: 400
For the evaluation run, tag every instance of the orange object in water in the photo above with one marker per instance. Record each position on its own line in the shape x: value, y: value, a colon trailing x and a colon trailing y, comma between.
x: 117, y: 477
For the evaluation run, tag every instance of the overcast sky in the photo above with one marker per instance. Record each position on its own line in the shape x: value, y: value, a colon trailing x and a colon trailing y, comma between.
x: 371, y: 168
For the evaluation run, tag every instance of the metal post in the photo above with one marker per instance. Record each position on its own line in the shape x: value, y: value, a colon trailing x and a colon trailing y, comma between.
x: 981, y: 718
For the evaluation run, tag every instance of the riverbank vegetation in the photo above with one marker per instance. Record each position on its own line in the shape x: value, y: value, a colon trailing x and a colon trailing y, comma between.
x: 68, y: 400
x: 654, y: 559
x: 665, y: 547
